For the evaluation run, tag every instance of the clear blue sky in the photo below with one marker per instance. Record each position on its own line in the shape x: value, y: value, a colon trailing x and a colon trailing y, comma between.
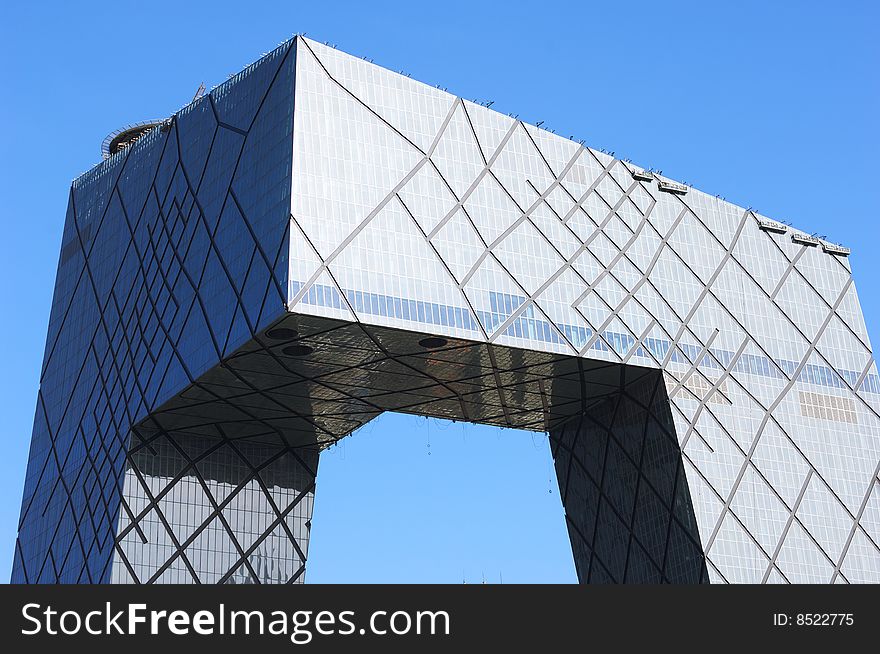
x: 771, y: 104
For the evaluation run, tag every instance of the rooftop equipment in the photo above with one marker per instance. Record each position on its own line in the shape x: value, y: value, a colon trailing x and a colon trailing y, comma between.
x: 837, y: 250
x: 772, y: 226
x: 805, y: 239
x: 672, y: 187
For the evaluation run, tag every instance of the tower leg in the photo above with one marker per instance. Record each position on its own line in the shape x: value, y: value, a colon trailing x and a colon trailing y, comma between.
x: 627, y: 505
x: 214, y: 510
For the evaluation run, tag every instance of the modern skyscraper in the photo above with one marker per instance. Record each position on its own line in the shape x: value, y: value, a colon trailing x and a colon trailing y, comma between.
x: 318, y: 240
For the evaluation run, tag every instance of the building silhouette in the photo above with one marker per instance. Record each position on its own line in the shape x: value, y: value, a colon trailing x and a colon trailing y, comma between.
x: 319, y: 240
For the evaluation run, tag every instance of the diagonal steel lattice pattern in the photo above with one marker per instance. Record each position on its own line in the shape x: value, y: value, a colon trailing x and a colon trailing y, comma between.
x: 319, y: 240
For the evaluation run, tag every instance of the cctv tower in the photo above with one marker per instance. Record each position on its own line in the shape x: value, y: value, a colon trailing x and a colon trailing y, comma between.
x: 318, y: 240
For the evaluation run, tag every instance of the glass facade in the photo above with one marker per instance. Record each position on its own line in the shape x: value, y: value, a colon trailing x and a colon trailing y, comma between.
x: 319, y: 240
x: 174, y: 254
x: 213, y: 510
x: 628, y: 506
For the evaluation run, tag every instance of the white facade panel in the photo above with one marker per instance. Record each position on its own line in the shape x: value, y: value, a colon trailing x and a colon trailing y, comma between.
x: 422, y: 211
